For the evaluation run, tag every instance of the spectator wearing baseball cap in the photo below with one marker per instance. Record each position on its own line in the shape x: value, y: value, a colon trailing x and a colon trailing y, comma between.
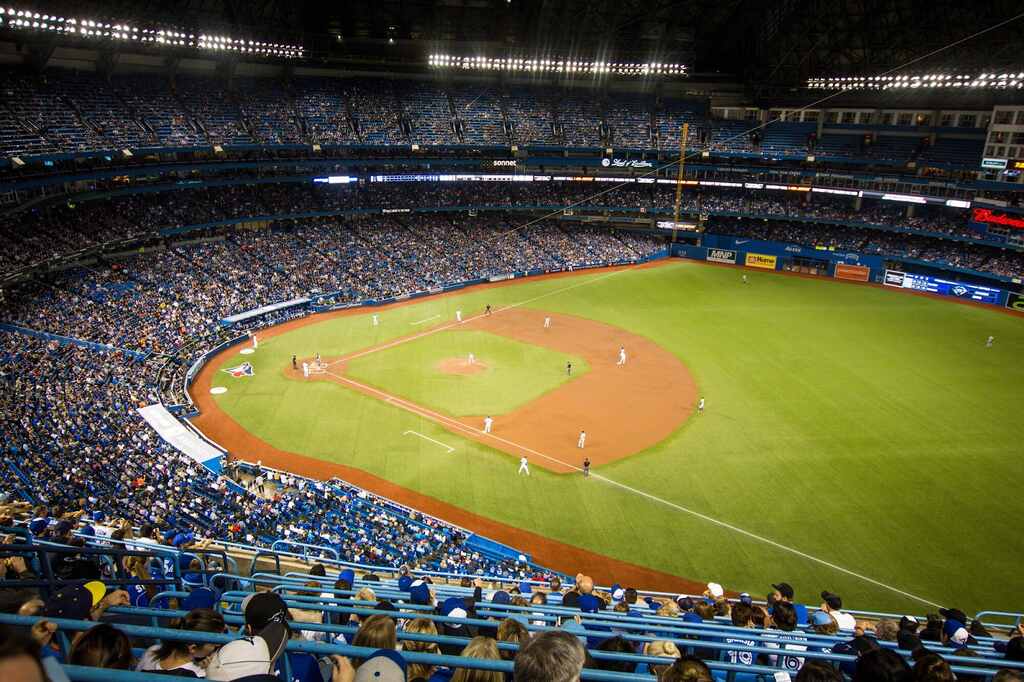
x: 266, y: 630
x: 956, y: 620
x: 784, y: 592
x: 832, y: 604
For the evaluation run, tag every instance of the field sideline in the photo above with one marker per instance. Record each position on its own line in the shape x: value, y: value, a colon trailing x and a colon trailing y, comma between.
x: 861, y: 426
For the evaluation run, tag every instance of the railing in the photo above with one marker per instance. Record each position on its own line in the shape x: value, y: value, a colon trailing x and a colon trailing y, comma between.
x: 42, y: 552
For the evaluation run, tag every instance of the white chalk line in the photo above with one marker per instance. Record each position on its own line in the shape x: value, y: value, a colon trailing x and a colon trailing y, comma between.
x: 437, y: 442
x: 457, y: 425
x: 434, y: 330
x: 428, y: 319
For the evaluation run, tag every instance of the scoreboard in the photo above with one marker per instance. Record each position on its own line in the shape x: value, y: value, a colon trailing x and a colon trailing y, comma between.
x: 944, y: 287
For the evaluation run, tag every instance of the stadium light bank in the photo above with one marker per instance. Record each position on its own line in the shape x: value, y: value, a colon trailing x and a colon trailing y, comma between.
x: 28, y: 20
x: 643, y: 69
x: 991, y: 81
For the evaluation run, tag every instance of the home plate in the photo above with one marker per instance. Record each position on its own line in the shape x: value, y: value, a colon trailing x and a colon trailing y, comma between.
x: 247, y: 351
x: 217, y: 390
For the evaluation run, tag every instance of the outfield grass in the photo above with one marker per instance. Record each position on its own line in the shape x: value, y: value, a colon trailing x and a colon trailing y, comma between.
x: 513, y: 374
x: 866, y: 427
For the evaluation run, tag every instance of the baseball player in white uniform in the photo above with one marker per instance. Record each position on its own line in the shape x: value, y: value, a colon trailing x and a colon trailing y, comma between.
x: 547, y: 323
x: 582, y: 440
x: 700, y: 406
x: 523, y: 468
x: 255, y: 342
x: 458, y: 316
x: 622, y: 355
x: 472, y: 359
x: 990, y: 341
x: 305, y: 369
x: 375, y: 321
x: 488, y: 423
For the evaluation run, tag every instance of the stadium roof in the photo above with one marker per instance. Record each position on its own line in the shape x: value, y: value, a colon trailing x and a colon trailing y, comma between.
x: 777, y: 43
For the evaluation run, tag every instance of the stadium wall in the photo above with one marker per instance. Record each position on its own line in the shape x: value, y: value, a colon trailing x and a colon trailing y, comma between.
x: 843, y: 265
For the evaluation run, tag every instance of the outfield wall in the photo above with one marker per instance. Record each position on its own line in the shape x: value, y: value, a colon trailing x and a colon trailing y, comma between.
x: 845, y: 265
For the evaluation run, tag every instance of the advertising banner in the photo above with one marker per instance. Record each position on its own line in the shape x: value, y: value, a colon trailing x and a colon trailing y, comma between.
x: 721, y: 256
x: 945, y: 287
x: 760, y: 260
x: 856, y: 273
x: 894, y: 278
x: 1015, y: 302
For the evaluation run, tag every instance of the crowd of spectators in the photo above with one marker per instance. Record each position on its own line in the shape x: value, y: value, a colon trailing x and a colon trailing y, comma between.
x: 489, y: 621
x: 153, y: 300
x: 75, y: 446
x: 61, y: 110
x: 45, y: 232
x: 892, y: 245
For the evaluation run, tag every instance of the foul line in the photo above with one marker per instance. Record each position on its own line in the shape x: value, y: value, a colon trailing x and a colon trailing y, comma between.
x: 437, y: 442
x: 407, y: 339
x: 459, y: 426
x: 432, y: 317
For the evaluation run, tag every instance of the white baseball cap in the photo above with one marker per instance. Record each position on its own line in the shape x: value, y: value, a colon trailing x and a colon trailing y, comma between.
x: 249, y: 655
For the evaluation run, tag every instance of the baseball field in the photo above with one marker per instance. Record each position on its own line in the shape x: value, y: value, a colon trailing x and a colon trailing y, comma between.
x: 855, y: 438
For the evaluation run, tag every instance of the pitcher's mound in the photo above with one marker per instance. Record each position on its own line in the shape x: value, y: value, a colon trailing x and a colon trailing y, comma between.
x: 460, y: 366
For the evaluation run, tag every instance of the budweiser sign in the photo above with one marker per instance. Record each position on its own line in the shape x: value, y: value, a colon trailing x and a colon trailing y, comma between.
x: 987, y: 215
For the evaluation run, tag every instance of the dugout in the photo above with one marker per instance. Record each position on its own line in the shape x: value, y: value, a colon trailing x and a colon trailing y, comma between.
x: 805, y: 265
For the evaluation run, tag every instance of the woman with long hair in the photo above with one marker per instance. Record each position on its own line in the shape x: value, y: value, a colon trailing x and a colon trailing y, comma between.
x: 102, y: 646
x: 481, y: 648
x: 420, y: 626
x: 181, y: 655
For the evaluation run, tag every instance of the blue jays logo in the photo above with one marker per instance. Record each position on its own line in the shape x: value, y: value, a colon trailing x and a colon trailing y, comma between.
x: 242, y: 370
x: 960, y: 290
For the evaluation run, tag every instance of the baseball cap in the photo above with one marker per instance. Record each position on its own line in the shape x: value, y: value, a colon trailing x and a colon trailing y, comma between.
x: 820, y: 618
x: 833, y: 600
x: 454, y: 607
x: 249, y: 655
x: 200, y: 598
x: 75, y: 601
x: 785, y: 589
x: 909, y: 623
x: 956, y: 631
x: 349, y: 576
x: 525, y: 588
x: 500, y: 597
x: 37, y: 526
x: 716, y: 590
x: 264, y: 608
x: 746, y: 599
x: 954, y: 614
x: 419, y: 593
x: 383, y: 665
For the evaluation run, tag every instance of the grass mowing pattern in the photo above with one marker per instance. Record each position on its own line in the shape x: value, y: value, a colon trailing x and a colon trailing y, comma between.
x: 864, y: 426
x: 515, y: 372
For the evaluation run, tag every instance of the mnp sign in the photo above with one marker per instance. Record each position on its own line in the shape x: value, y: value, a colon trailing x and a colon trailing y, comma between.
x: 760, y: 260
x: 1015, y: 302
x: 721, y: 256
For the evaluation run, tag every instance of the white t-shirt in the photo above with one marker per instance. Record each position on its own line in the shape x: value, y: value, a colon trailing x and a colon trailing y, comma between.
x: 844, y: 620
x: 522, y: 462
x: 148, y: 663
